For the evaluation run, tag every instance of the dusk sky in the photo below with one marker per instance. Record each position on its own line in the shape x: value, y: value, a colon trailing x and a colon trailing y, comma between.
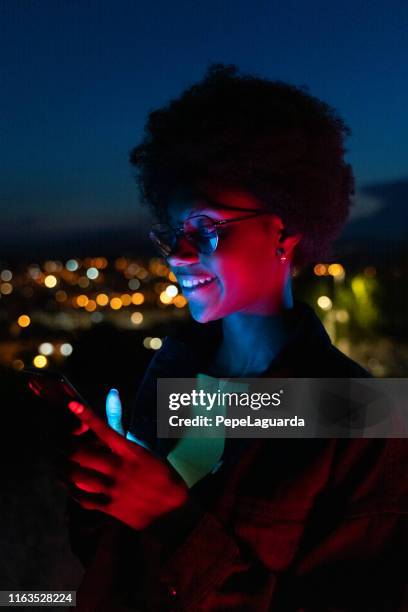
x: 78, y: 78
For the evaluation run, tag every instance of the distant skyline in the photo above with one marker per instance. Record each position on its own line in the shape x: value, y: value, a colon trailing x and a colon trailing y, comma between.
x: 78, y: 80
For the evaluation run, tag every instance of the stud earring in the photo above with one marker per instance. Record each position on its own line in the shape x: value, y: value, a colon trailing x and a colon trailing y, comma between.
x: 281, y: 255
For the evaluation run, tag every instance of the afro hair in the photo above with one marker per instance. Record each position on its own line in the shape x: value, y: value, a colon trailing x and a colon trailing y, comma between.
x: 268, y: 137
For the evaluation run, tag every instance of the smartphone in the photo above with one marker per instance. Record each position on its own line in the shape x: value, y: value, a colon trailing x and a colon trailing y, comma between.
x: 54, y: 392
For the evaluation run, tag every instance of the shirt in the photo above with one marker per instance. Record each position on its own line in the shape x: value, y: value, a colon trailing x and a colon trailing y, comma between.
x: 284, y: 524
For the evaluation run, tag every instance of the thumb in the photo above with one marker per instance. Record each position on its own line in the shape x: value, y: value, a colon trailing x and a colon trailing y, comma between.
x: 114, y: 411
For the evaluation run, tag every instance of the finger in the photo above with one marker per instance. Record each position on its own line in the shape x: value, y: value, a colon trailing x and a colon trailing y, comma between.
x: 90, y: 501
x: 96, y: 458
x: 114, y: 411
x: 111, y: 438
x: 88, y: 480
x: 82, y: 428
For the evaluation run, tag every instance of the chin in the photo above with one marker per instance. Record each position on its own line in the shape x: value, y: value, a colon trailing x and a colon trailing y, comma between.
x: 203, y: 315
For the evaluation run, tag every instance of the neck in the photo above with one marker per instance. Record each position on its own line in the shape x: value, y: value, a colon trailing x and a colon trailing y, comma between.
x: 251, y: 340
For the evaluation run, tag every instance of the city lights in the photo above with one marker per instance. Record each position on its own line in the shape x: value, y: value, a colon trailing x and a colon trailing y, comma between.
x: 40, y: 361
x: 116, y: 303
x: 92, y: 273
x: 6, y: 275
x: 66, y: 349
x: 126, y: 299
x: 82, y: 300
x: 134, y: 284
x: 342, y: 316
x: 50, y: 281
x: 137, y: 298
x: 180, y: 301
x: 136, y: 318
x: 336, y: 269
x: 23, y: 320
x: 18, y: 364
x: 320, y: 269
x: 61, y: 296
x: 72, y: 265
x: 324, y: 302
x: 46, y: 348
x: 102, y: 299
x: 165, y: 298
x: 83, y: 282
x: 90, y: 306
x: 347, y: 302
x: 171, y: 291
x: 6, y: 288
x: 155, y: 343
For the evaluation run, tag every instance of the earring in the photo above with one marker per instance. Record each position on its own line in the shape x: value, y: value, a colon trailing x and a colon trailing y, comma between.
x: 281, y: 255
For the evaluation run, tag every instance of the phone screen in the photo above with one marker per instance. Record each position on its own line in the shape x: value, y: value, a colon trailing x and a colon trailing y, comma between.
x: 54, y: 391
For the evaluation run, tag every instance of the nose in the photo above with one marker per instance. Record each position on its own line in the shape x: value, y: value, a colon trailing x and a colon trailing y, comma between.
x: 185, y: 253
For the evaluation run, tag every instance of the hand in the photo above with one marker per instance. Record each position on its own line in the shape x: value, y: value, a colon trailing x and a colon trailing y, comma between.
x: 121, y: 478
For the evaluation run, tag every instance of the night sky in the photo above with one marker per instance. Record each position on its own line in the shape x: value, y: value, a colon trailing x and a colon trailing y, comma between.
x: 78, y: 78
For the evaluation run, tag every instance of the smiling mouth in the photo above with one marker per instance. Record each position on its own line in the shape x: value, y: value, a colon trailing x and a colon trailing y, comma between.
x: 194, y: 284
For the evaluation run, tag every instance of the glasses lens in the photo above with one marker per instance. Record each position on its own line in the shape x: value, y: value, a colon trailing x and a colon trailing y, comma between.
x: 163, y: 238
x: 201, y: 232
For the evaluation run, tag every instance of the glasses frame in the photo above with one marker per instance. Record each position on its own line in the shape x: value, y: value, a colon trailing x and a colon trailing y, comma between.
x: 180, y: 231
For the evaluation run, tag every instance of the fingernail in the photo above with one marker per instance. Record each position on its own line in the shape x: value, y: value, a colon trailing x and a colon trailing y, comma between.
x: 114, y: 392
x: 76, y: 407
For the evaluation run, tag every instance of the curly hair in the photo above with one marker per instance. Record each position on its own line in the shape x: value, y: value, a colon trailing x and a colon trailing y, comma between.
x: 268, y: 137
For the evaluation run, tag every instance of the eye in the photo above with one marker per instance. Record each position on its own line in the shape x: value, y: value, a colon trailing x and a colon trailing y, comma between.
x: 202, y: 224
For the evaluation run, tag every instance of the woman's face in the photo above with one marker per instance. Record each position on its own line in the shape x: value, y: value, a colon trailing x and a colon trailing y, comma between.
x: 244, y: 273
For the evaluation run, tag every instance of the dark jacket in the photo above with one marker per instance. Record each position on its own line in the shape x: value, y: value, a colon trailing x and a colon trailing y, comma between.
x: 284, y: 524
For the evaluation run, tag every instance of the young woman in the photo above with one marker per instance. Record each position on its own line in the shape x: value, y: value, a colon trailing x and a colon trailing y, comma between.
x: 248, y: 180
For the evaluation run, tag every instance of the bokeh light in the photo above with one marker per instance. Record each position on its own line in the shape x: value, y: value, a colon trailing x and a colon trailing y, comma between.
x: 24, y: 320
x: 172, y: 291
x: 92, y: 273
x: 82, y: 300
x: 116, y: 303
x: 6, y: 275
x: 91, y: 306
x: 72, y: 265
x: 136, y: 318
x: 102, y: 299
x: 137, y: 298
x: 134, y: 284
x: 165, y: 299
x: 126, y: 299
x: 50, y: 281
x: 324, y: 302
x: 155, y: 343
x: 66, y: 349
x: 46, y: 348
x: 61, y: 296
x: 180, y: 301
x: 83, y: 282
x: 40, y: 361
x: 6, y: 288
x: 320, y: 269
x: 336, y: 269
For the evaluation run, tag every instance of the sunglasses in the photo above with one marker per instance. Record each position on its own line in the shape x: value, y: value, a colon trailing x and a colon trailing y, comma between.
x: 201, y: 231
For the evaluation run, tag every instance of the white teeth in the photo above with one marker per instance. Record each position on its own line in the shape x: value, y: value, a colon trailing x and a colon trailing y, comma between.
x: 195, y: 282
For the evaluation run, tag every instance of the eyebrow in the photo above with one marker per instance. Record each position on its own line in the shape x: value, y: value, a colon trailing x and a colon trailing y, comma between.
x: 219, y: 205
x: 216, y: 205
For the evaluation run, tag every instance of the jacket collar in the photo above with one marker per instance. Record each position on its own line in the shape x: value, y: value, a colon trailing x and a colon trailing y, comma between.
x: 196, y: 343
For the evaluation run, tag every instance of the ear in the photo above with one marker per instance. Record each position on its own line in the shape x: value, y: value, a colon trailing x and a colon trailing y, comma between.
x: 288, y: 242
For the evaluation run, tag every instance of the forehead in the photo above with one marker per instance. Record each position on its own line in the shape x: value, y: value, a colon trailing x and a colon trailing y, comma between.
x: 222, y: 201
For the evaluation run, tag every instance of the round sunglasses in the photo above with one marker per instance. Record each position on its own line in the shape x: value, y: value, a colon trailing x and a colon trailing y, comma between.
x: 199, y: 230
